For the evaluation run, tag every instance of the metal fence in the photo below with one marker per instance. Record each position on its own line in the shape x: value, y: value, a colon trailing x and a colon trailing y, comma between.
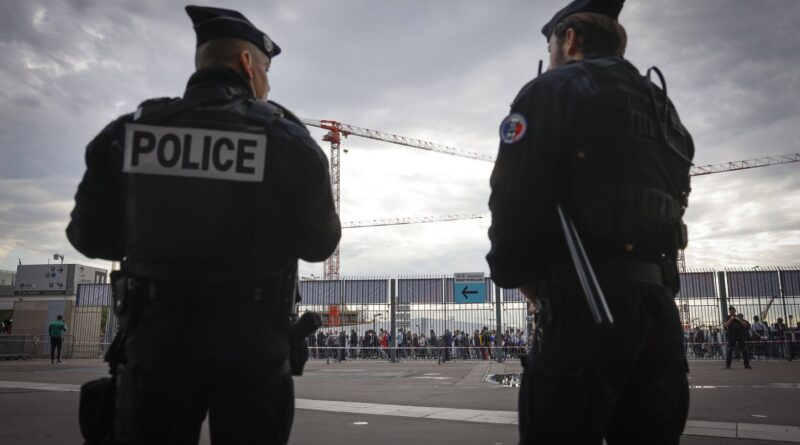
x: 438, y: 318
x: 419, y: 317
x: 408, y: 317
x: 16, y: 346
x: 91, y: 327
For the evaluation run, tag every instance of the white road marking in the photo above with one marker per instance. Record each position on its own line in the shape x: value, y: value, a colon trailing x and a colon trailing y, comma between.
x: 781, y: 433
x: 59, y: 387
x: 420, y: 412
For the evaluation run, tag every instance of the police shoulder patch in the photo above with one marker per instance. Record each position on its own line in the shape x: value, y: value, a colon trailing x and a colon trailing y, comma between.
x: 512, y: 129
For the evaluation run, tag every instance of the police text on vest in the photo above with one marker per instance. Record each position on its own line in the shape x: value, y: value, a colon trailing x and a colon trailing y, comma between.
x: 194, y: 152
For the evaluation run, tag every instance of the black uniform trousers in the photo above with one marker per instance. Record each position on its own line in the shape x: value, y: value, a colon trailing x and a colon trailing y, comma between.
x: 218, y: 355
x: 738, y: 342
x: 627, y: 383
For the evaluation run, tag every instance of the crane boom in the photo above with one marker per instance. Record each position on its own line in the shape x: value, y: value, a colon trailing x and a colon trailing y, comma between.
x: 347, y: 130
x: 742, y: 165
x: 337, y: 130
x: 409, y: 220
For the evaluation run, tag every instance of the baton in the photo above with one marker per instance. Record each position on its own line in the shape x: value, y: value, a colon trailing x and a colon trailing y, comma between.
x: 591, y: 288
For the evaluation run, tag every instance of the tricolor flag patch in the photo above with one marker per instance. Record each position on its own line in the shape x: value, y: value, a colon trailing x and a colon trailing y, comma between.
x: 513, y: 128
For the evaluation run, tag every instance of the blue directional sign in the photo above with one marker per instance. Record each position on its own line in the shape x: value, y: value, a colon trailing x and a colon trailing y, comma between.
x: 469, y: 288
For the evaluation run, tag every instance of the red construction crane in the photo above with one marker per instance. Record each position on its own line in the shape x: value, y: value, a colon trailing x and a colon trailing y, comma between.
x: 766, y: 161
x: 337, y: 130
x: 409, y: 220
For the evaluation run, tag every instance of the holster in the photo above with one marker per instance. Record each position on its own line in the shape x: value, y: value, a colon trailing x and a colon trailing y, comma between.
x: 670, y: 273
x: 298, y: 348
x: 106, y: 410
x: 298, y: 328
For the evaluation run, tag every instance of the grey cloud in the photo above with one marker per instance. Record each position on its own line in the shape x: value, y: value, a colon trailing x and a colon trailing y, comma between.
x: 442, y: 71
x: 399, y: 250
x: 726, y: 62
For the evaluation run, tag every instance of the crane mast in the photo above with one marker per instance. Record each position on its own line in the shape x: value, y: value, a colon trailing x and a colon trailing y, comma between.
x: 330, y: 268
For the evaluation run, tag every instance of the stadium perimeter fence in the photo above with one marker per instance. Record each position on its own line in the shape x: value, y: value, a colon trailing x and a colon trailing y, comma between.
x: 429, y: 307
x: 356, y: 309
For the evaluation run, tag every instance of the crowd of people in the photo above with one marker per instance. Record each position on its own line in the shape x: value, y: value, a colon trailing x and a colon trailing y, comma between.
x: 483, y: 344
x: 778, y: 340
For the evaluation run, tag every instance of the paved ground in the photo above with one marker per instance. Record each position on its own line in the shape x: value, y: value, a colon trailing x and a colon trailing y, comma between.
x: 420, y: 403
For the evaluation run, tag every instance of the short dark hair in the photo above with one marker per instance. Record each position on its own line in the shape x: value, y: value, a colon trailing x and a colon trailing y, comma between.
x: 224, y: 51
x: 596, y: 33
x: 60, y: 317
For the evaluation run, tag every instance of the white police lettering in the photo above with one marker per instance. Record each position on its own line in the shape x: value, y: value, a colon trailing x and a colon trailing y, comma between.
x: 194, y: 152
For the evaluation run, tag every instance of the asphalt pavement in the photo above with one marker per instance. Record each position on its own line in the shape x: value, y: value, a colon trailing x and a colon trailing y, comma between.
x: 419, y: 402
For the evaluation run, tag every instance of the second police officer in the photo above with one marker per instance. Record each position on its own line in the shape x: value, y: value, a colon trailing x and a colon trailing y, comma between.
x: 601, y: 140
x: 208, y: 200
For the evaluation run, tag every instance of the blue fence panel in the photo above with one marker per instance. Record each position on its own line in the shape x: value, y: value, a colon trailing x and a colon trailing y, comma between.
x: 419, y: 290
x: 322, y: 292
x: 93, y: 295
x: 366, y: 291
x: 752, y: 284
x: 513, y: 295
x: 698, y: 285
x: 790, y: 280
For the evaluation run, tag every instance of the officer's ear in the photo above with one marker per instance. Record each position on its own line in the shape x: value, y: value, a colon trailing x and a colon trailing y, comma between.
x: 571, y: 43
x: 246, y: 64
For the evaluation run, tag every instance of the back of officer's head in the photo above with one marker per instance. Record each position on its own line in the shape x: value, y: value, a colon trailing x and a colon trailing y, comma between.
x: 597, y: 34
x: 226, y: 52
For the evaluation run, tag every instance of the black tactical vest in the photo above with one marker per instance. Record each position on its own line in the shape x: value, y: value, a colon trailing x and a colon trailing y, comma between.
x: 199, y: 207
x: 628, y: 168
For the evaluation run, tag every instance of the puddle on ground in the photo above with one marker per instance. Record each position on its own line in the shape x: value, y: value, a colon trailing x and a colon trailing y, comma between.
x: 767, y: 385
x: 786, y: 385
x: 508, y: 380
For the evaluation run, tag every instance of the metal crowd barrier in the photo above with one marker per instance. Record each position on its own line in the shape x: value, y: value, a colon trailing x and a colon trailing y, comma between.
x: 38, y: 346
x: 757, y: 350
x: 403, y: 353
x: 13, y: 346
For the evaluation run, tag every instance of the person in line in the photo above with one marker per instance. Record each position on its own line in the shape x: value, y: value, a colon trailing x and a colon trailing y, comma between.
x: 759, y: 336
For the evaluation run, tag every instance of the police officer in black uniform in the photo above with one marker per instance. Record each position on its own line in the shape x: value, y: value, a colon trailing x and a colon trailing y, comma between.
x: 601, y: 140
x: 737, y: 328
x: 208, y: 200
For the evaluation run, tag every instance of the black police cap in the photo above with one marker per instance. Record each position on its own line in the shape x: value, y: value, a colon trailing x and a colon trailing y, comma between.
x: 214, y: 23
x: 610, y: 8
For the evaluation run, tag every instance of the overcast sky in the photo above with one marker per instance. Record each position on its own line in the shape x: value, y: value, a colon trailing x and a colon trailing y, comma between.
x: 443, y: 71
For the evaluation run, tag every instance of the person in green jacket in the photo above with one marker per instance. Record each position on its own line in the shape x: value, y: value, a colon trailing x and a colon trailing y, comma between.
x: 57, y: 328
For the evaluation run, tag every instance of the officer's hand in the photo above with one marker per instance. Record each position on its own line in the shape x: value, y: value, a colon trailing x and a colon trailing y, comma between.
x: 530, y: 293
